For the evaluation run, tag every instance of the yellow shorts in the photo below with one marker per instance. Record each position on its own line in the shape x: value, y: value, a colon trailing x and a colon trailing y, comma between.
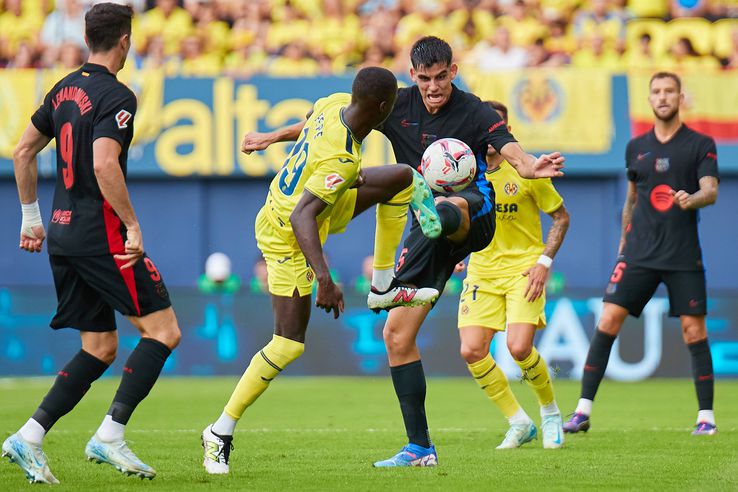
x: 492, y: 303
x: 287, y: 267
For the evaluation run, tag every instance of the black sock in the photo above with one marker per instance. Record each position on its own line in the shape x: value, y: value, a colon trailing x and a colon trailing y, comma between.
x: 594, y: 368
x: 704, y: 381
x: 139, y: 375
x: 70, y: 386
x: 450, y: 216
x: 409, y: 381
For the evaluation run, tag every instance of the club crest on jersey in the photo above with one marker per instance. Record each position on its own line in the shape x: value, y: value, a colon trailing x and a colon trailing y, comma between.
x: 662, y: 164
x: 333, y: 180
x: 122, y: 118
x: 511, y: 189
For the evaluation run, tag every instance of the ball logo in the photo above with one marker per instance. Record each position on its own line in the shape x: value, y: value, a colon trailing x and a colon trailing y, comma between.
x: 662, y: 164
x: 511, y: 189
x: 538, y: 99
x: 661, y: 198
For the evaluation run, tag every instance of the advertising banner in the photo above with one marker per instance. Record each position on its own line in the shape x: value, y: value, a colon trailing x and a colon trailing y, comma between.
x: 222, y: 332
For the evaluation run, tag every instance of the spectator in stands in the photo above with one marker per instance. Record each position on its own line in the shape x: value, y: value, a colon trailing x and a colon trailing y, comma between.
x: 295, y: 61
x: 641, y: 57
x: 373, y: 57
x: 247, y: 59
x: 66, y: 24
x: 24, y: 57
x: 71, y: 56
x: 214, y: 32
x: 288, y: 25
x: 683, y: 57
x: 422, y: 19
x: 18, y: 27
x: 539, y: 56
x: 599, y: 21
x: 523, y: 28
x: 336, y: 34
x: 218, y: 277
x: 500, y: 56
x: 195, y: 62
x: 171, y: 22
x: 596, y: 54
x: 559, y: 41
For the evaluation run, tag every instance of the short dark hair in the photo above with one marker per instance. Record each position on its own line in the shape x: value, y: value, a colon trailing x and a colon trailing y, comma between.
x: 374, y: 83
x: 430, y: 50
x: 667, y: 75
x: 105, y: 23
x: 498, y: 106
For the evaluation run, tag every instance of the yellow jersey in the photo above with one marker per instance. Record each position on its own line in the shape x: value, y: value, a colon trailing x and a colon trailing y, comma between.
x: 517, y: 243
x: 325, y: 161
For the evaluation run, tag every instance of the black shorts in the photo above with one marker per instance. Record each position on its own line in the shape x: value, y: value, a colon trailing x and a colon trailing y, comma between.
x: 89, y: 288
x: 426, y: 262
x: 632, y: 286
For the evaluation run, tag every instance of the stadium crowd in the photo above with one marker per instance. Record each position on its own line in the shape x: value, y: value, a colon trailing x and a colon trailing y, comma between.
x: 290, y: 38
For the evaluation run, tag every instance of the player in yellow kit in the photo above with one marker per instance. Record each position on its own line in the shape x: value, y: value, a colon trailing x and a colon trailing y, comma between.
x: 318, y: 191
x: 504, y: 288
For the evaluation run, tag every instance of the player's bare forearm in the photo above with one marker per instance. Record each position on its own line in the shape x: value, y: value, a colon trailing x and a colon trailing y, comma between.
x: 305, y: 227
x: 519, y: 159
x: 24, y: 162
x: 557, y: 232
x: 289, y: 133
x: 110, y: 179
x: 531, y: 167
x: 705, y: 196
x: 630, y: 199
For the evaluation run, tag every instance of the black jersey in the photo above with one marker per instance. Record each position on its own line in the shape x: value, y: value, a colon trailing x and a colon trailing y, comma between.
x: 411, y: 128
x: 662, y: 235
x: 85, y: 105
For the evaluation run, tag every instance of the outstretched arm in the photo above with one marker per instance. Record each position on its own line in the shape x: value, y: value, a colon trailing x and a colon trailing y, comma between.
x: 706, y: 195
x: 26, y: 176
x: 304, y: 220
x: 528, y: 166
x: 259, y: 141
x: 538, y: 273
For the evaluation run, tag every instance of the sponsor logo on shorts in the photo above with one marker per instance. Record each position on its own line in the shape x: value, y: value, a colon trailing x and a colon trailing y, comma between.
x: 611, y: 288
x: 511, y: 189
x: 161, y: 290
x: 61, y: 217
x: 662, y: 164
x: 465, y: 309
x: 309, y: 275
x: 693, y: 303
x: 333, y: 180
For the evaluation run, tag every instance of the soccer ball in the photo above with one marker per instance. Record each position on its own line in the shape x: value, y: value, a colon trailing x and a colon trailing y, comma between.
x: 448, y: 165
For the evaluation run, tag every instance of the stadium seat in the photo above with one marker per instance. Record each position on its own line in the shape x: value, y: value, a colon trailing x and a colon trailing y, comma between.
x: 722, y: 32
x: 636, y: 28
x: 697, y: 29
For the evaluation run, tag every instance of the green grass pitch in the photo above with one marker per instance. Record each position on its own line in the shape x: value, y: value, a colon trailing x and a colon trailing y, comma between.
x: 324, y: 433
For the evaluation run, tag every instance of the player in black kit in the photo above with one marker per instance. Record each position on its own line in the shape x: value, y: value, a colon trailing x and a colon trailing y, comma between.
x: 95, y: 248
x: 434, y: 108
x: 672, y: 173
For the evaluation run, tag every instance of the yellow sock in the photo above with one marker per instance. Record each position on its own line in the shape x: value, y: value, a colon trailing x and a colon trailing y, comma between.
x: 535, y: 372
x: 264, y: 367
x: 391, y: 219
x: 494, y: 382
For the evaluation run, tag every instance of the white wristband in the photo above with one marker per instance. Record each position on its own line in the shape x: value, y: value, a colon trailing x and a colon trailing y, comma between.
x: 545, y: 261
x: 31, y: 218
